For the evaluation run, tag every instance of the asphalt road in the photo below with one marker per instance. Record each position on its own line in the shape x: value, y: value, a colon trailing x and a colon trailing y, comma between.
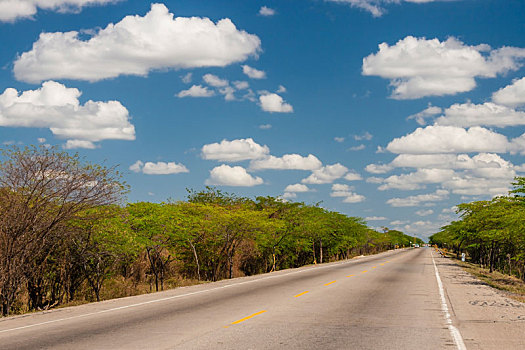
x: 387, y: 301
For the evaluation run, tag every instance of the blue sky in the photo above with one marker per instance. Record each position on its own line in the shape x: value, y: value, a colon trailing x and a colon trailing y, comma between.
x: 393, y: 111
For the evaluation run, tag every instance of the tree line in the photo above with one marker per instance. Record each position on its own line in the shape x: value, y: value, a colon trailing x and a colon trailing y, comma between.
x: 66, y: 237
x: 491, y: 233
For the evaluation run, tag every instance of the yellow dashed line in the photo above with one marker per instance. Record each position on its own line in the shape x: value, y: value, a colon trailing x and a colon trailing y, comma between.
x: 303, y: 293
x: 364, y: 271
x: 350, y: 275
x: 326, y: 284
x: 374, y: 267
x: 382, y: 264
x: 248, y: 317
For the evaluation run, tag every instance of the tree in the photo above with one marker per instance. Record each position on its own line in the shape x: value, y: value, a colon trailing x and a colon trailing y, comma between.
x: 41, y: 190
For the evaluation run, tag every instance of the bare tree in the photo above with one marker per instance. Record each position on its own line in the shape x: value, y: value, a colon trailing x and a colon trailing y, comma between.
x: 41, y: 190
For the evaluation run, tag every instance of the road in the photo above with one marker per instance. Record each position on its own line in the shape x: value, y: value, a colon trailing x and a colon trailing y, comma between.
x: 386, y: 301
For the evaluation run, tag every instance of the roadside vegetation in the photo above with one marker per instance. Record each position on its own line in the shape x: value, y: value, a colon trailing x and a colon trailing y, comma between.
x: 66, y: 236
x: 491, y: 234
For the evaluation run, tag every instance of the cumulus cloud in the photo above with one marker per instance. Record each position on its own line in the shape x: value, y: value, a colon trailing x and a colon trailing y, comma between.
x: 287, y: 162
x: 265, y: 126
x: 417, y: 179
x: 487, y: 114
x: 357, y: 148
x: 135, y: 46
x: 266, y: 11
x: 214, y: 80
x: 158, y: 168
x: 345, y: 191
x: 376, y: 7
x: 296, y: 188
x: 58, y: 108
x: 196, y: 91
x: 253, y: 73
x: 271, y: 102
x: 364, y: 136
x: 327, y: 174
x: 417, y: 67
x: 448, y: 161
x: 512, y: 95
x: 72, y: 144
x: 424, y: 212
x: 421, y: 117
x: 449, y: 139
x: 352, y: 176
x: 234, y: 151
x: 339, y: 139
x: 375, y: 218
x: 12, y: 10
x: 226, y: 175
x: 418, y: 200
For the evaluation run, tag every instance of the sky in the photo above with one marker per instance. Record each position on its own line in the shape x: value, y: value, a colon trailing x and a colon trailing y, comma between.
x: 390, y: 110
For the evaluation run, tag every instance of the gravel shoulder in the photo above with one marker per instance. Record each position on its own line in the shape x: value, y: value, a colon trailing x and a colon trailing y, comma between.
x: 486, y: 317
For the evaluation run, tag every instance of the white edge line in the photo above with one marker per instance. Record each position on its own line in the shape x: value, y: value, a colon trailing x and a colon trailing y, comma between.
x: 170, y: 298
x: 456, y: 335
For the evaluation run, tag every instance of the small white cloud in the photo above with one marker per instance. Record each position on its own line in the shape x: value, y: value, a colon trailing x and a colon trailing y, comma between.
x: 375, y: 218
x: 214, y: 80
x: 274, y: 103
x: 72, y: 144
x: 234, y: 151
x: 226, y: 175
x: 266, y: 11
x: 187, y: 78
x: 430, y: 111
x: 297, y: 188
x: 365, y: 136
x: 289, y: 195
x: 265, y: 126
x: 487, y: 114
x: 424, y: 212
x: 158, y: 168
x: 281, y: 89
x: 354, y: 198
x: 196, y: 91
x: 228, y: 93
x: 357, y: 148
x: 398, y: 222
x: 287, y: 162
x: 326, y: 174
x: 418, y: 200
x: 352, y: 176
x: 241, y: 85
x: 512, y: 95
x: 253, y: 73
x: 339, y: 139
x: 378, y: 168
x: 41, y: 140
x: 345, y: 191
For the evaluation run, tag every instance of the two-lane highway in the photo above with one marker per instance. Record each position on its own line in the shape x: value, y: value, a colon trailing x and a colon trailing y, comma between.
x: 387, y: 301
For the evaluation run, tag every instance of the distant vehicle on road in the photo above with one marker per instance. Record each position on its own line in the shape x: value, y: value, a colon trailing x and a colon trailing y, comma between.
x: 416, y: 245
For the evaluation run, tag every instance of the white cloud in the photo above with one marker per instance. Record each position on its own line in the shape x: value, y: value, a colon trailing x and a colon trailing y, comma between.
x: 424, y: 212
x: 232, y: 176
x: 488, y: 114
x: 214, y: 80
x: 289, y: 195
x: 398, y: 222
x: 265, y: 126
x: 357, y: 148
x: 228, y: 93
x: 72, y: 144
x: 187, y: 78
x: 326, y: 174
x: 12, y: 10
x: 41, y: 140
x: 352, y: 176
x: 241, y: 85
x: 297, y: 188
x: 281, y: 89
x: 253, y: 73
x: 448, y: 161
x: 287, y: 162
x: 430, y: 111
x: 266, y: 11
x: 512, y: 95
x: 449, y: 139
x: 158, y: 168
x: 378, y: 168
x: 418, y: 200
x: 339, y: 139
x: 417, y: 179
x: 345, y: 191
x: 375, y: 218
x: 376, y: 7
x: 274, y: 103
x: 196, y: 91
x: 365, y: 136
x: 57, y: 107
x: 135, y: 46
x: 234, y: 151
x: 418, y: 67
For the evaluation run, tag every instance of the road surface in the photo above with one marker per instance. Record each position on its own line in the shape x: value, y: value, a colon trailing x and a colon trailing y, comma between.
x: 391, y: 300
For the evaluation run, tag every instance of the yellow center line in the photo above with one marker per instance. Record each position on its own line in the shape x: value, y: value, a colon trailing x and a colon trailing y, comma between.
x: 350, y: 275
x: 374, y: 267
x: 248, y: 317
x: 303, y: 293
x: 326, y: 284
x: 382, y: 264
x: 364, y: 271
